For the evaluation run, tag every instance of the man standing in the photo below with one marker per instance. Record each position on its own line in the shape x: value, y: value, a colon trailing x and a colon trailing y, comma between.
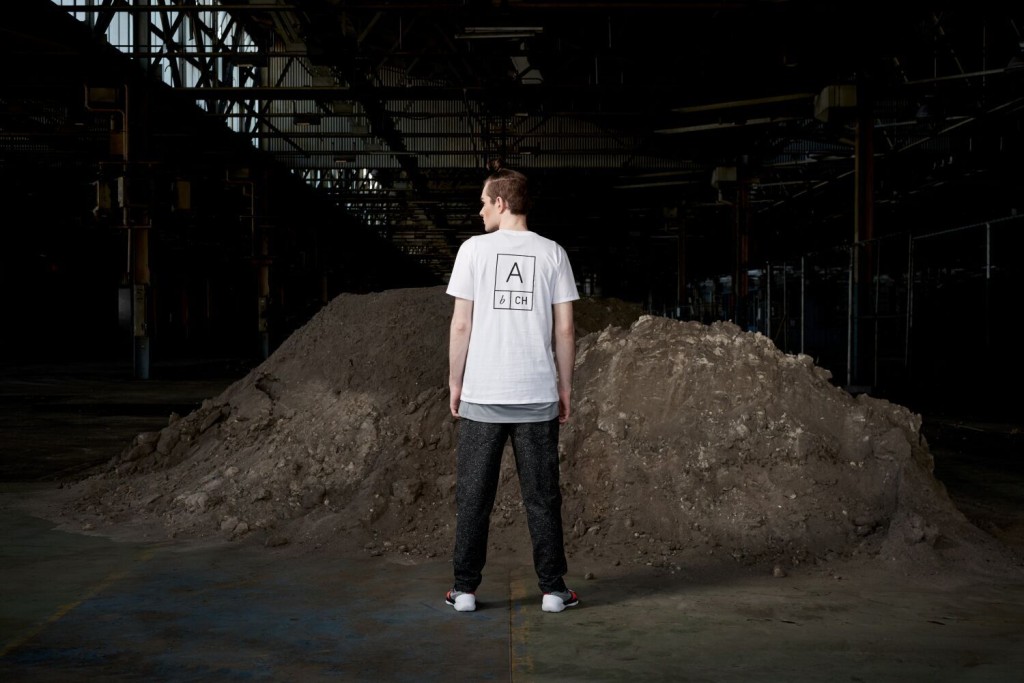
x: 512, y: 288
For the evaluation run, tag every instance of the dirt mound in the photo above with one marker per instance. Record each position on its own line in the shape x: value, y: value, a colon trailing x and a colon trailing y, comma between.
x: 686, y: 439
x: 595, y: 314
x: 706, y: 437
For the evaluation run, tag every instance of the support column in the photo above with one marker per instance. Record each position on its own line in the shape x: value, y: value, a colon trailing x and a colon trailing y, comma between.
x: 139, y: 237
x: 136, y: 212
x: 862, y: 267
x: 682, y: 307
x: 262, y: 261
x: 132, y: 198
x: 254, y: 190
x: 742, y: 285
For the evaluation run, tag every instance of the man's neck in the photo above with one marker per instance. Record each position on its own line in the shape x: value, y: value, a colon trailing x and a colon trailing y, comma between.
x: 513, y: 223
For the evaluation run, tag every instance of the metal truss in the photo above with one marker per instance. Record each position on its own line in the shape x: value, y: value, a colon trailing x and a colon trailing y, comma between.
x: 189, y: 44
x: 254, y: 74
x: 373, y: 101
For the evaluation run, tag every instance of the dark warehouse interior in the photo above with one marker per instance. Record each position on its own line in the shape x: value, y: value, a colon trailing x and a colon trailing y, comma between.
x: 188, y: 183
x: 847, y: 186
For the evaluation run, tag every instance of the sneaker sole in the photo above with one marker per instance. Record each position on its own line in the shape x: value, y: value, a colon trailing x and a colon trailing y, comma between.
x: 555, y: 607
x: 464, y: 608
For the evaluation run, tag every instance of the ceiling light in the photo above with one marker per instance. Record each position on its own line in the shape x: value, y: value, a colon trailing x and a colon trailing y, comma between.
x: 498, y: 32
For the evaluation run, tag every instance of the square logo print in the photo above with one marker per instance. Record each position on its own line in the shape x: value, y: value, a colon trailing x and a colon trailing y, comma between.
x: 513, y: 282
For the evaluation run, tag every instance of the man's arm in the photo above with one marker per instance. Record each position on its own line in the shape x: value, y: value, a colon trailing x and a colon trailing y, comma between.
x: 458, y: 348
x: 565, y: 356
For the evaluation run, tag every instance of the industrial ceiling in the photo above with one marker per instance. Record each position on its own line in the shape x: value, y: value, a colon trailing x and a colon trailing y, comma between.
x: 645, y: 127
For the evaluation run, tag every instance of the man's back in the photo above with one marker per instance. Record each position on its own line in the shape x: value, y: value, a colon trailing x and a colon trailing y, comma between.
x: 513, y: 294
x: 513, y: 278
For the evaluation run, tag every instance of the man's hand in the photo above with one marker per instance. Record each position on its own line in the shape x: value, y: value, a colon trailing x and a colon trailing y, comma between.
x: 456, y: 399
x: 458, y: 348
x: 565, y: 356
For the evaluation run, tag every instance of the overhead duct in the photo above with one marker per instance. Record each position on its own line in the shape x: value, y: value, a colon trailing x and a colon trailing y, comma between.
x: 835, y: 102
x: 723, y: 175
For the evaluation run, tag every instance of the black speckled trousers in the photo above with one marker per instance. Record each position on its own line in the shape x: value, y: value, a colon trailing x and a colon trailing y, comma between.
x: 535, y: 445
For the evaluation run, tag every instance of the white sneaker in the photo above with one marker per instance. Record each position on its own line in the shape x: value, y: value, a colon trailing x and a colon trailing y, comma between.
x: 559, y: 600
x: 462, y: 602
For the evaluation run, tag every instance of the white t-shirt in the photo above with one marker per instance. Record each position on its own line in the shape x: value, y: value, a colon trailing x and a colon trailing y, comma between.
x: 513, y: 278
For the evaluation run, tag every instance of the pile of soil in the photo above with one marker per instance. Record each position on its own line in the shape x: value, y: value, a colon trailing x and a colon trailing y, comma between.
x: 686, y: 440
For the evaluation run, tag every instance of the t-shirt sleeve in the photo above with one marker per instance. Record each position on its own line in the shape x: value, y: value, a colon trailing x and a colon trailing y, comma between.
x: 565, y: 283
x: 460, y: 284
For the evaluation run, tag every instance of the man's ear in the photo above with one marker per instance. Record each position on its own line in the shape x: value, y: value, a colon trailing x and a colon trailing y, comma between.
x: 501, y: 204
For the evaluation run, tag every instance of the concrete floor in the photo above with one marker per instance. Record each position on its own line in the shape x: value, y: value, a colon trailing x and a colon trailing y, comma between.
x: 80, y: 607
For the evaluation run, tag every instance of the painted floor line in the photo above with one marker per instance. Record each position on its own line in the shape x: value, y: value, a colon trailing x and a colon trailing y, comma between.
x: 520, y: 662
x: 65, y: 609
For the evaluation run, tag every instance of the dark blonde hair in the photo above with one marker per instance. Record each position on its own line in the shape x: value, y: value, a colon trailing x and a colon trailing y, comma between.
x: 511, y: 186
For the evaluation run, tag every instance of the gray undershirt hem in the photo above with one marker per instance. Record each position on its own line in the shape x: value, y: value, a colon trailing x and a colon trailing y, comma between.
x: 503, y: 413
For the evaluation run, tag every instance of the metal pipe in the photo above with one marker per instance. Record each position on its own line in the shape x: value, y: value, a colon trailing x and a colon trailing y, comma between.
x: 803, y: 293
x: 875, y: 283
x: 542, y: 93
x: 446, y: 135
x: 140, y: 308
x: 418, y: 115
x: 263, y: 294
x: 959, y: 228
x: 785, y: 308
x: 850, y: 316
x: 988, y: 291
x: 910, y: 302
x: 415, y: 5
x: 185, y: 9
